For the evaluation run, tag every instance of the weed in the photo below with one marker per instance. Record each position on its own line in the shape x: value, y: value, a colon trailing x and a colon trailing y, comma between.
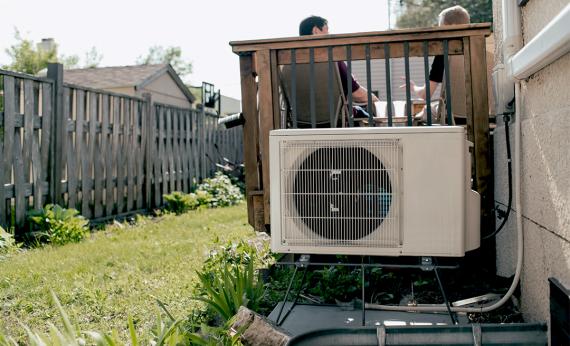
x: 58, y: 225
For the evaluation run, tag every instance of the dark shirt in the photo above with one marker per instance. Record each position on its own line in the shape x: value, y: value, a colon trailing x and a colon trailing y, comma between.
x: 343, y: 71
x: 436, y: 71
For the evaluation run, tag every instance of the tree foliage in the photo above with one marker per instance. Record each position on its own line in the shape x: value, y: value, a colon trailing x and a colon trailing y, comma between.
x: 27, y: 57
x: 169, y: 55
x: 424, y: 13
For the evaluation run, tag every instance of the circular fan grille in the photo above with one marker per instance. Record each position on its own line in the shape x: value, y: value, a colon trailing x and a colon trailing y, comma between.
x: 342, y: 193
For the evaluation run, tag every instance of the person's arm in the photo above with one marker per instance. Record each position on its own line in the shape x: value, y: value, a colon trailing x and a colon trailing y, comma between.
x: 420, y: 91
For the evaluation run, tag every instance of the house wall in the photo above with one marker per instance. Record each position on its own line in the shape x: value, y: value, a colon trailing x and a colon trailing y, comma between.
x: 126, y: 90
x: 165, y: 90
x: 545, y: 164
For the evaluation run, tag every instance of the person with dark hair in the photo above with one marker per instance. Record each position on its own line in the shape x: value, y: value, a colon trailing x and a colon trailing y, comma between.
x: 315, y: 25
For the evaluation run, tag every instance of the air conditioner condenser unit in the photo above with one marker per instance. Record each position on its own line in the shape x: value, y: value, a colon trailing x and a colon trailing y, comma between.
x: 384, y: 191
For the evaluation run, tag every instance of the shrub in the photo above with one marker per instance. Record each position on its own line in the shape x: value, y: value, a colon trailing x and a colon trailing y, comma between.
x: 58, y: 225
x: 179, y: 202
x: 213, y: 192
x: 221, y: 190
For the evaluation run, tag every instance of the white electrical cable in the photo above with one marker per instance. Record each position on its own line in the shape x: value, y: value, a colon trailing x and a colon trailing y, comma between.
x: 520, y: 244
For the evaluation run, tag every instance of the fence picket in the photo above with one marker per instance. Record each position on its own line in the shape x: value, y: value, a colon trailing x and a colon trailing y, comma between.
x: 72, y: 169
x: 128, y: 145
x: 140, y: 140
x: 97, y: 152
x: 117, y: 157
x: 107, y: 162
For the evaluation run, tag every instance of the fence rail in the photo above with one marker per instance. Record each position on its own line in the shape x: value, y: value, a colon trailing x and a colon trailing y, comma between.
x: 103, y: 153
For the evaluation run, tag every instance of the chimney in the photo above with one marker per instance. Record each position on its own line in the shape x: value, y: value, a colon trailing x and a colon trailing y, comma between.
x: 47, y: 45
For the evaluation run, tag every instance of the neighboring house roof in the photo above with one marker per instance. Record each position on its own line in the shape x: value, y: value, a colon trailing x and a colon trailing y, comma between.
x: 137, y: 76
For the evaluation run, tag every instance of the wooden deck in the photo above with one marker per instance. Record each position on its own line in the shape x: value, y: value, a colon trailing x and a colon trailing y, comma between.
x: 260, y: 61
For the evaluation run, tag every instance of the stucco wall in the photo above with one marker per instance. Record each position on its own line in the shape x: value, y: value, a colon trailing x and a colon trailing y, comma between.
x: 545, y: 166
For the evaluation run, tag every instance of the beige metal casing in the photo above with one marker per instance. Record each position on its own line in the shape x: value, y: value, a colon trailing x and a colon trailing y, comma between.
x: 437, y: 214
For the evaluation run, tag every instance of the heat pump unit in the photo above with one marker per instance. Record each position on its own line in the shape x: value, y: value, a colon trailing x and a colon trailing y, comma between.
x: 384, y: 191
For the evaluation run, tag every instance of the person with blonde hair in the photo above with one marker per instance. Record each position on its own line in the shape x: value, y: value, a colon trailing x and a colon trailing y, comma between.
x: 450, y: 16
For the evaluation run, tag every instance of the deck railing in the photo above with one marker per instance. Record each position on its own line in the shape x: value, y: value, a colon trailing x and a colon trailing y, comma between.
x: 264, y: 109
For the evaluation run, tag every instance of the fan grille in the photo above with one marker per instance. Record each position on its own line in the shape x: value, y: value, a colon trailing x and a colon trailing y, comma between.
x: 341, y: 193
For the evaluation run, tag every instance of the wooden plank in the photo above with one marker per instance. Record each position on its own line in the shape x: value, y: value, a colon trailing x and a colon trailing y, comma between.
x: 80, y: 146
x: 128, y: 152
x: 157, y: 161
x: 148, y: 139
x: 250, y: 131
x: 98, y: 151
x: 111, y: 170
x: 120, y: 123
x: 28, y: 130
x: 36, y: 157
x: 415, y: 34
x: 71, y: 147
x: 468, y: 96
x: 358, y: 52
x: 482, y: 150
x: 184, y: 150
x: 202, y: 138
x: 21, y: 204
x: 47, y: 116
x: 6, y: 146
x: 176, y: 148
x: 86, y: 157
x: 275, y: 90
x: 169, y: 151
x: 108, y: 136
x: 57, y: 145
x: 195, y: 146
x: 139, y: 160
x: 162, y: 150
x: 266, y: 123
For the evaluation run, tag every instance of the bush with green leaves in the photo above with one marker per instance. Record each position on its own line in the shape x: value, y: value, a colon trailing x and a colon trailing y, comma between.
x: 211, y: 193
x: 179, y: 202
x: 57, y: 225
x: 221, y: 190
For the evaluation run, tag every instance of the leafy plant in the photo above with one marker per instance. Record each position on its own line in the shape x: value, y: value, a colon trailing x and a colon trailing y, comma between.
x: 7, y: 243
x: 169, y: 331
x: 236, y: 286
x: 223, y: 193
x: 179, y: 202
x: 58, y: 225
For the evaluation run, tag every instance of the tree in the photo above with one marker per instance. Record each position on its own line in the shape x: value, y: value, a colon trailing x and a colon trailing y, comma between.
x: 27, y: 57
x: 423, y: 13
x: 169, y: 55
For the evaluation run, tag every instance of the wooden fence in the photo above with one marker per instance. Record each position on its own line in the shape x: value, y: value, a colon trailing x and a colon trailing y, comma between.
x: 103, y: 153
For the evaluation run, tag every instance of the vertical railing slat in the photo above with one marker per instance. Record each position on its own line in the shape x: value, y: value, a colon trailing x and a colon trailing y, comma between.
x: 388, y: 82
x: 293, y: 100
x: 330, y: 85
x: 312, y: 87
x: 369, y: 87
x: 447, y: 82
x: 349, y: 85
x: 98, y: 156
x: 70, y: 99
x: 407, y: 73
x: 427, y: 82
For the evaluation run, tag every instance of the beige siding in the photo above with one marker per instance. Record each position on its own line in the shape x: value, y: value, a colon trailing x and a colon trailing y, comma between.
x: 545, y: 166
x: 165, y: 90
x: 126, y: 90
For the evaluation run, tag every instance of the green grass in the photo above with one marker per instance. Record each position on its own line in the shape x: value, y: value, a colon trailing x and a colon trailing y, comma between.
x: 116, y: 273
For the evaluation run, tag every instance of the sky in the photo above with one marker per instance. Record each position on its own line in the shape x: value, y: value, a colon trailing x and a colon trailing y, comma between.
x: 123, y: 30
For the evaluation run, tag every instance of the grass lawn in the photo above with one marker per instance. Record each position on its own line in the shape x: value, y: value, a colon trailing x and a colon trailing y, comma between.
x: 116, y: 273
